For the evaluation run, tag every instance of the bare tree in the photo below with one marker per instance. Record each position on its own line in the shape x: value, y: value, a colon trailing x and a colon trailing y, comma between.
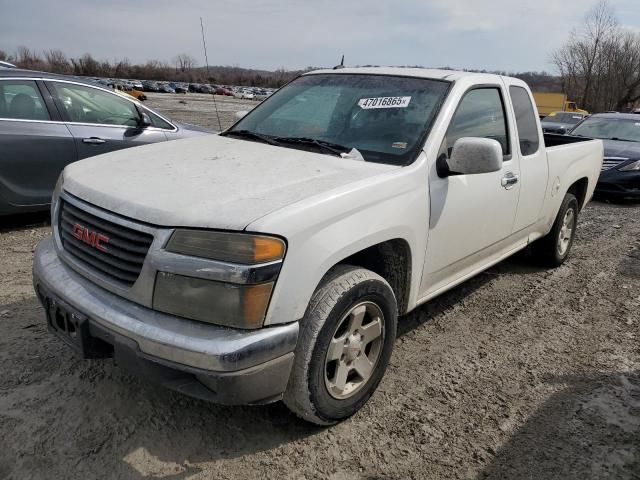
x: 87, y: 65
x: 184, y: 62
x: 600, y: 26
x: 599, y: 64
x: 27, y: 58
x: 122, y: 68
x: 57, y: 61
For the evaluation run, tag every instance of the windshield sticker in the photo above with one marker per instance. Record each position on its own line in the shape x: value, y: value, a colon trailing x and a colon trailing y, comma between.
x: 399, y: 145
x: 384, y: 102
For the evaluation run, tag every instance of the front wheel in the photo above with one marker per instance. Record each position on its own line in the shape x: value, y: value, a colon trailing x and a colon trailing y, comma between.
x: 346, y: 339
x: 553, y: 249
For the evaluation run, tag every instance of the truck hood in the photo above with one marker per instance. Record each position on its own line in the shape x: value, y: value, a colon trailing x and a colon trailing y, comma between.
x: 209, y: 181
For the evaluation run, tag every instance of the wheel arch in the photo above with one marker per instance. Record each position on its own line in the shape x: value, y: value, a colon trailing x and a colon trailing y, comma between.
x: 391, y: 259
x: 579, y: 189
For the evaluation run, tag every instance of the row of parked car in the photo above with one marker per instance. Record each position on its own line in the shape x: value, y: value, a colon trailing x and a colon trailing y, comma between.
x: 137, y: 88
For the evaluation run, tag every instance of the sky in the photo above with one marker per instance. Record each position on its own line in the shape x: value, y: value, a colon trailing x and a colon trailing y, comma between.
x: 509, y: 35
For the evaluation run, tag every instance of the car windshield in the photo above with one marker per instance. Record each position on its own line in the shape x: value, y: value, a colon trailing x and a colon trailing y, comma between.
x: 570, y: 118
x: 383, y: 117
x: 608, y: 128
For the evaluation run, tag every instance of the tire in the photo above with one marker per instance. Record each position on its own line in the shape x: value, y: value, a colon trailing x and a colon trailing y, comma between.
x: 553, y: 249
x: 314, y: 390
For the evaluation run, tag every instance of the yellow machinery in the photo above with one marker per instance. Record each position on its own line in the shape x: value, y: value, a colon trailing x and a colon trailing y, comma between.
x: 555, y: 102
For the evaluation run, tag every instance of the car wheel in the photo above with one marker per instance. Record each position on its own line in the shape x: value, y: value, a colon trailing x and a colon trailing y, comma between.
x: 553, y: 249
x: 345, y: 343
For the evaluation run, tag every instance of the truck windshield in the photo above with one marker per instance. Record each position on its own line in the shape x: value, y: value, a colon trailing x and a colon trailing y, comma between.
x: 383, y: 117
x: 607, y: 128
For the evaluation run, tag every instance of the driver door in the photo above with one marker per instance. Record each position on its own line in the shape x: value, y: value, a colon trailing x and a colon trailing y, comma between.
x: 100, y: 121
x: 472, y: 216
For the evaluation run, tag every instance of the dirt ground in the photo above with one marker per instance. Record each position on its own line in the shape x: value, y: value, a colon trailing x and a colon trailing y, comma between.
x: 519, y: 373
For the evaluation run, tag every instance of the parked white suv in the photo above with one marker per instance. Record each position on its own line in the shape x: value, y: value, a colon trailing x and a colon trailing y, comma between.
x: 272, y: 261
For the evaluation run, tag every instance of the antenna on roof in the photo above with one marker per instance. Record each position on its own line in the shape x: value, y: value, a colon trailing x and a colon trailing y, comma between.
x: 338, y: 67
x: 206, y: 62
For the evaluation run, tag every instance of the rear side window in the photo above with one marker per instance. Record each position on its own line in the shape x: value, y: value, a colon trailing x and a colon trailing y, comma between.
x: 525, y: 121
x: 21, y: 99
x: 480, y: 114
x: 83, y: 104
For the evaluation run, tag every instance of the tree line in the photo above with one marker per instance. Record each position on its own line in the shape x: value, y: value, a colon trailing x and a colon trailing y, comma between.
x: 184, y: 68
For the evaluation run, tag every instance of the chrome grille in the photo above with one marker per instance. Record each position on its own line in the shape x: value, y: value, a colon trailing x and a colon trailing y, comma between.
x: 120, y: 257
x: 610, y: 162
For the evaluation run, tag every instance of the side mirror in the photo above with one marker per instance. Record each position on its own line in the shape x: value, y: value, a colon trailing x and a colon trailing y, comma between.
x: 472, y: 155
x: 145, y: 120
x: 241, y: 114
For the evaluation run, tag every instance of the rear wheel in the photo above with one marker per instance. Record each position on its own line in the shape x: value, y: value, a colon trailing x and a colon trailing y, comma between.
x: 553, y: 249
x: 345, y: 344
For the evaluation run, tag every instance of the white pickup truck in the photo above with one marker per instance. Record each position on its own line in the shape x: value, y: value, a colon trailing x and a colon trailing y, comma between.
x: 272, y: 261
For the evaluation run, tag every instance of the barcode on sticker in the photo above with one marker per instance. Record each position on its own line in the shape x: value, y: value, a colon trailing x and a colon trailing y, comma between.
x: 384, y: 102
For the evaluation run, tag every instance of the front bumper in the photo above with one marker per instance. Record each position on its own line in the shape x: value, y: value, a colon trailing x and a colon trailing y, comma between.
x: 221, y: 364
x: 619, y: 184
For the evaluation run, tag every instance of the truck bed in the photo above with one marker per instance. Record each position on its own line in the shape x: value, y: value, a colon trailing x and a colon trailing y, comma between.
x: 570, y: 159
x: 555, y: 139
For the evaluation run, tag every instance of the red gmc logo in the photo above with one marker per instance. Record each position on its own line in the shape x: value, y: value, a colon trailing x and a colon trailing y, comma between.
x: 94, y: 239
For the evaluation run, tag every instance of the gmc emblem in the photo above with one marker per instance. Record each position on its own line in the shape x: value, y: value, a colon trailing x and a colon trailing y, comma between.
x: 93, y: 239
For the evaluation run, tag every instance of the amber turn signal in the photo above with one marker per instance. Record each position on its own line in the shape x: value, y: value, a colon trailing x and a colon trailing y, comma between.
x: 227, y: 247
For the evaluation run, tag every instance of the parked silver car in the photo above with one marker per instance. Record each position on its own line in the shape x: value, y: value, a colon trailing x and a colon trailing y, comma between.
x: 48, y: 121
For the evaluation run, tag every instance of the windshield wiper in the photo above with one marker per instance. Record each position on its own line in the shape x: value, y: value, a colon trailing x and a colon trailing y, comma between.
x: 622, y: 139
x: 255, y: 135
x: 334, y: 148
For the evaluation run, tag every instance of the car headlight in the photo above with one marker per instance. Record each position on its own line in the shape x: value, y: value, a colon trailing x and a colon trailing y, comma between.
x: 632, y: 167
x: 228, y: 247
x: 221, y: 303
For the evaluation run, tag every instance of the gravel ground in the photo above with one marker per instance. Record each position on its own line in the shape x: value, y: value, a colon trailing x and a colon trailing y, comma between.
x: 199, y: 108
x: 519, y: 373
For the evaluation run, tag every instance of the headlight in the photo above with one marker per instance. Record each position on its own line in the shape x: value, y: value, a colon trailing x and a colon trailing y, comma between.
x: 232, y: 305
x: 241, y: 305
x: 632, y: 167
x: 227, y: 247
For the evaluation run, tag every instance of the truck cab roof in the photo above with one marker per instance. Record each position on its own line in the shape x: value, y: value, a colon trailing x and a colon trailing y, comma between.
x: 431, y: 73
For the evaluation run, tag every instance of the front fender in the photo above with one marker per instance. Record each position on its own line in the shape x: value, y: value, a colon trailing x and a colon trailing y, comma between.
x: 321, y: 232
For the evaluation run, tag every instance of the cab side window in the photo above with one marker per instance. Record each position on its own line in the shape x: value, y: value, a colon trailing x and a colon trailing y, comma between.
x: 21, y: 100
x: 82, y: 104
x: 525, y: 121
x: 480, y: 114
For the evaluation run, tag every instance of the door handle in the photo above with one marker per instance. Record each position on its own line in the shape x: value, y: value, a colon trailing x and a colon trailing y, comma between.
x: 509, y: 180
x: 93, y: 140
